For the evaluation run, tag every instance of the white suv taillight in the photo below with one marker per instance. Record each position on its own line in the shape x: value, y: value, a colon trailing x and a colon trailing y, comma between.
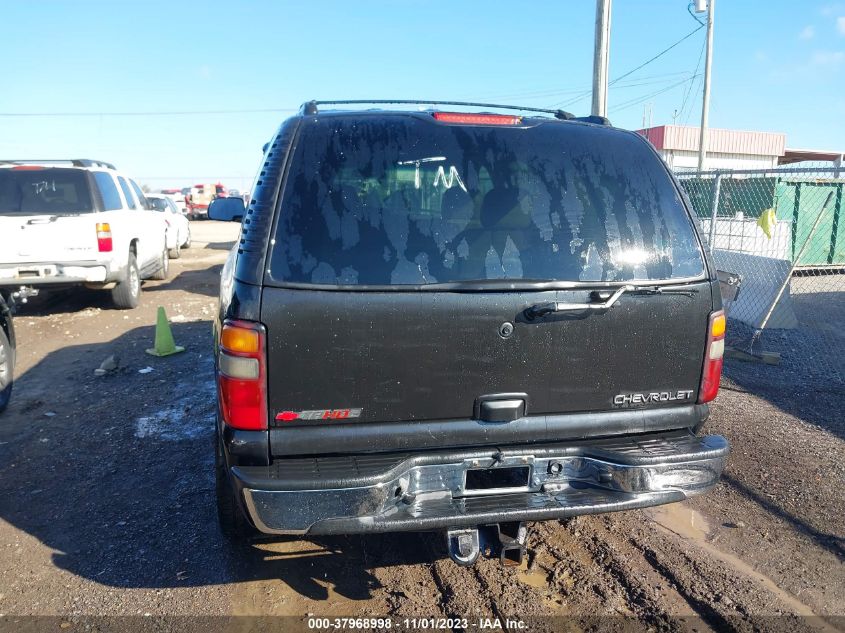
x: 104, y: 242
x: 241, y: 379
x: 714, y: 356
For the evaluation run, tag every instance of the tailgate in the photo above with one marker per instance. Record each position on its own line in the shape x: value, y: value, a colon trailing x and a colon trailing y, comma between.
x: 432, y: 355
x: 408, y: 250
x: 45, y: 238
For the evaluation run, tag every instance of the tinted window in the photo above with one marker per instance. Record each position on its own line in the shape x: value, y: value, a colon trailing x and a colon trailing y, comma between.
x: 44, y: 191
x: 141, y: 197
x: 405, y: 200
x: 157, y: 204
x: 108, y: 191
x: 127, y: 192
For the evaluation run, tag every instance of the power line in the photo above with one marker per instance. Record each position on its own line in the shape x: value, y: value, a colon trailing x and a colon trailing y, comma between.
x: 696, y: 91
x: 692, y: 83
x: 150, y: 113
x: 630, y: 72
x: 660, y: 54
x: 537, y: 94
x: 632, y: 102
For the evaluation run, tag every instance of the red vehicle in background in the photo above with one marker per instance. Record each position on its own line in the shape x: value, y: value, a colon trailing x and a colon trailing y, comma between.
x: 200, y: 197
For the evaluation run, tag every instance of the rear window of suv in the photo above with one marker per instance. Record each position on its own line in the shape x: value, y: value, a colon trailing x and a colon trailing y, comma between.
x: 405, y: 200
x: 44, y: 191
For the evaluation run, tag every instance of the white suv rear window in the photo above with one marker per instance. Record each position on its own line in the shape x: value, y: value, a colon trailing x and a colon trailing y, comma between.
x: 44, y: 191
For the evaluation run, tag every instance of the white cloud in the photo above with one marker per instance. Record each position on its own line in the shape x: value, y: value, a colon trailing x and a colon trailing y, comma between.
x: 840, y: 24
x: 827, y: 59
x: 807, y: 33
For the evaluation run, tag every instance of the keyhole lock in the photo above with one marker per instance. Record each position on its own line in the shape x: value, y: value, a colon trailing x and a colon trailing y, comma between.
x: 505, y: 329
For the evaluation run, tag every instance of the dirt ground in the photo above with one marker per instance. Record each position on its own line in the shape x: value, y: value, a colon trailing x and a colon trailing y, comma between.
x: 107, y: 503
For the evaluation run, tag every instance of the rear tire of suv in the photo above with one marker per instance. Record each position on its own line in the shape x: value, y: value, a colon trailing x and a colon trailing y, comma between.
x: 163, y: 267
x: 127, y: 293
x: 5, y: 370
x: 233, y: 523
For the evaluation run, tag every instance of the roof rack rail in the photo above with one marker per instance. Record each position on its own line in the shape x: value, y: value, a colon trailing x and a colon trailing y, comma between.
x: 593, y: 118
x: 311, y: 107
x: 75, y: 162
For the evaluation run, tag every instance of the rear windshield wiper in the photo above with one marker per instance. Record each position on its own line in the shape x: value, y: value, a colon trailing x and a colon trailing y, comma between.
x: 606, y: 300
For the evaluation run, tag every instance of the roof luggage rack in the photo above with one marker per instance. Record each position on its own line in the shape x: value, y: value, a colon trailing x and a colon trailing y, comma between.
x: 75, y: 162
x: 311, y: 107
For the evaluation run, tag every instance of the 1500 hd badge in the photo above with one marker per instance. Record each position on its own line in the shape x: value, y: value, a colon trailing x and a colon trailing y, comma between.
x: 636, y: 399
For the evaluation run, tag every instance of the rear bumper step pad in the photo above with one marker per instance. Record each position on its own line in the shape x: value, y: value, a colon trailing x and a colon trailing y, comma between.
x: 424, y: 491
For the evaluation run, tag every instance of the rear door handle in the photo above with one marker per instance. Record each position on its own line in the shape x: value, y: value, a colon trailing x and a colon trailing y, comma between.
x: 500, y: 407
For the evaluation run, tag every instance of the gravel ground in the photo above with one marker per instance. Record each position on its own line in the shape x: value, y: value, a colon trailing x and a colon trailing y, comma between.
x: 107, y: 506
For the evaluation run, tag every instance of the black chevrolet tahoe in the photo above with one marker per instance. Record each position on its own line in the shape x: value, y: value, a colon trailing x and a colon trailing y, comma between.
x: 461, y: 321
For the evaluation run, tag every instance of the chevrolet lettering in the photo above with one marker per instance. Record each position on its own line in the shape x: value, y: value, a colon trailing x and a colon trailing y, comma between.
x: 631, y: 399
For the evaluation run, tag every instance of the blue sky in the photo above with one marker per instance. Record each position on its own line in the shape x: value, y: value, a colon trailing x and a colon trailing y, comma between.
x: 778, y: 66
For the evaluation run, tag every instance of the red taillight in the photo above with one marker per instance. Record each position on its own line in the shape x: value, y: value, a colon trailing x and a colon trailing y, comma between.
x: 104, y: 243
x: 241, y: 376
x: 713, y: 357
x: 477, y: 119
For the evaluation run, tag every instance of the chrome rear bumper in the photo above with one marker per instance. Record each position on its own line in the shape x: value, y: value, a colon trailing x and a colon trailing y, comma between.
x: 386, y: 493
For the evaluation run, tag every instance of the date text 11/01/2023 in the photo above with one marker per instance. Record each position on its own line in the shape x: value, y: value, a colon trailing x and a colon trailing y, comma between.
x: 415, y: 624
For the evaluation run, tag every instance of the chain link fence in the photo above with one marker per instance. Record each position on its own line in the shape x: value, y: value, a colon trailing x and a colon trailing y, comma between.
x: 783, y: 232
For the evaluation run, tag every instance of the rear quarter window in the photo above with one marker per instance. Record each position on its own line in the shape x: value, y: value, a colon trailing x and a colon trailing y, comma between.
x: 404, y: 200
x: 127, y: 192
x: 142, y: 199
x: 108, y: 191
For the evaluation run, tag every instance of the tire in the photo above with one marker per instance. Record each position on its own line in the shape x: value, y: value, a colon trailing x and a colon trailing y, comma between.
x: 127, y: 293
x: 175, y: 252
x: 163, y: 267
x: 233, y: 523
x: 6, y: 370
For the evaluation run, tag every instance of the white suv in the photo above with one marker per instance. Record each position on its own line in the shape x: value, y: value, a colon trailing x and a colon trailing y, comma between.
x: 77, y: 222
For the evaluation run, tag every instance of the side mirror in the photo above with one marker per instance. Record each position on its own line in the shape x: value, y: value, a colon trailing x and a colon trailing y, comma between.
x: 226, y: 209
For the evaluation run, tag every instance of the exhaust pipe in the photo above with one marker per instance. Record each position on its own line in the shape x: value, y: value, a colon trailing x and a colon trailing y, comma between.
x: 464, y: 546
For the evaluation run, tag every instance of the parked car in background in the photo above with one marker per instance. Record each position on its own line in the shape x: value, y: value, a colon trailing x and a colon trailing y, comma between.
x: 200, y: 197
x: 80, y: 222
x: 180, y: 203
x: 520, y: 319
x: 178, y: 227
x: 178, y: 199
x: 7, y: 349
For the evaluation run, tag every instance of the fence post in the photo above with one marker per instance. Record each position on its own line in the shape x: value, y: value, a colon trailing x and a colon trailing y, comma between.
x: 714, y: 208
